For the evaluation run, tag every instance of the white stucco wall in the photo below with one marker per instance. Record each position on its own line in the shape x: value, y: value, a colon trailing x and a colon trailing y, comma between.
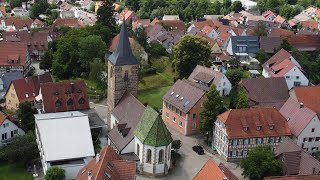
x: 11, y: 127
x: 229, y: 47
x: 293, y: 74
x: 307, y: 133
x: 114, y: 121
x: 225, y: 85
x: 129, y: 148
x: 148, y: 167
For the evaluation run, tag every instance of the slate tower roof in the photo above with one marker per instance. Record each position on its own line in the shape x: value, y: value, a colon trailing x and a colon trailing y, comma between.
x: 123, y: 54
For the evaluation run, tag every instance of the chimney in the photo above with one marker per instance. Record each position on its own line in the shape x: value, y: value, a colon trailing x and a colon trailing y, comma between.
x: 72, y: 87
x: 26, y: 79
x: 301, y: 105
x: 89, y: 175
x: 97, y: 157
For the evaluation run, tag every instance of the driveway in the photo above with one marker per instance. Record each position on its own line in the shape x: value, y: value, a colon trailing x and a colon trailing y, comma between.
x: 190, y: 163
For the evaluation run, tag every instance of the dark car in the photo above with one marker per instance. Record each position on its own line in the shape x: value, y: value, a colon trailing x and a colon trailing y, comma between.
x: 198, y: 149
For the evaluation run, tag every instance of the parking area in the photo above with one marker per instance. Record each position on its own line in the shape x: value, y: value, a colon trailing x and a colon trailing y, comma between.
x: 190, y: 162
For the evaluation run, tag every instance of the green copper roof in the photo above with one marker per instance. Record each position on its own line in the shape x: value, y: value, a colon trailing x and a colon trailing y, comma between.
x: 151, y: 129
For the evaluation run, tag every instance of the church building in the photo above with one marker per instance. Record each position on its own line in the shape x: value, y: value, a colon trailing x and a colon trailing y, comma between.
x: 137, y: 132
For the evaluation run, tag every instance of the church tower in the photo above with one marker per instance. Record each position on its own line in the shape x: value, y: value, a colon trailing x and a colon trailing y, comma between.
x: 122, y: 72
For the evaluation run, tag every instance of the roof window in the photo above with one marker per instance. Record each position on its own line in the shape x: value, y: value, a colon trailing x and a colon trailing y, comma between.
x: 171, y: 93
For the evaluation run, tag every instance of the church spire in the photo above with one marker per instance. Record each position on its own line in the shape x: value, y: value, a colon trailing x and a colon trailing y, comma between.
x: 123, y: 53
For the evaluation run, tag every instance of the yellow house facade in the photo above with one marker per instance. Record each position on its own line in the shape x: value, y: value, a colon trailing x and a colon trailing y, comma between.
x: 12, y: 101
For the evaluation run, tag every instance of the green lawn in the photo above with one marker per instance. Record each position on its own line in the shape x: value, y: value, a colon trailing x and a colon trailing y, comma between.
x: 14, y: 171
x: 154, y: 87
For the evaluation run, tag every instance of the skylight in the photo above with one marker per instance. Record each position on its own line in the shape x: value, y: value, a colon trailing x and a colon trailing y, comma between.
x: 171, y: 93
x: 186, y: 103
x: 177, y: 95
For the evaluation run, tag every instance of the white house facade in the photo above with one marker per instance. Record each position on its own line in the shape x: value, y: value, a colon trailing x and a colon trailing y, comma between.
x: 8, y: 131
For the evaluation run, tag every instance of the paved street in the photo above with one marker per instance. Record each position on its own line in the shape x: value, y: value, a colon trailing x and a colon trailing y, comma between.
x: 190, y: 163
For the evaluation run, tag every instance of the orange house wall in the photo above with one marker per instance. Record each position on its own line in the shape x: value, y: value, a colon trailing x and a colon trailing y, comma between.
x: 186, y: 119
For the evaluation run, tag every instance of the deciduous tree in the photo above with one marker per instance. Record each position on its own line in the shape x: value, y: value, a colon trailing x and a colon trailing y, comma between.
x: 213, y: 106
x: 190, y: 51
x: 260, y: 162
x: 55, y: 173
x: 25, y: 115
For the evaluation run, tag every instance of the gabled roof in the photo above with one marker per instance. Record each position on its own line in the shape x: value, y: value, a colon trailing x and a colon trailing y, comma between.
x: 151, y: 129
x: 18, y: 23
x: 8, y: 50
x: 66, y: 92
x: 309, y: 96
x: 108, y: 162
x: 312, y: 24
x: 123, y: 53
x: 34, y: 40
x: 236, y: 120
x: 211, y: 171
x: 183, y: 95
x: 279, y: 20
x: 305, y: 42
x: 269, y: 44
x: 298, y: 117
x: 296, y: 160
x: 128, y: 112
x: 266, y: 92
x: 28, y: 88
x: 280, y: 69
x: 174, y: 24
x: 279, y: 32
x: 114, y: 43
x: 206, y: 75
x: 71, y: 22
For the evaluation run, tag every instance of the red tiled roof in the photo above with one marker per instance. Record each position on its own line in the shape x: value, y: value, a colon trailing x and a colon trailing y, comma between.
x: 35, y: 40
x: 71, y: 22
x: 18, y: 23
x: 294, y: 113
x: 210, y: 171
x: 236, y: 119
x: 141, y: 22
x: 279, y: 20
x: 280, y: 69
x: 212, y: 23
x: 279, y: 32
x: 9, y: 50
x: 28, y: 88
x: 312, y: 24
x: 318, y: 13
x: 39, y: 23
x: 174, y: 24
x: 295, y: 177
x: 267, y: 13
x: 64, y: 91
x: 309, y: 96
x: 276, y: 59
x: 109, y: 163
x: 207, y: 29
x: 305, y: 42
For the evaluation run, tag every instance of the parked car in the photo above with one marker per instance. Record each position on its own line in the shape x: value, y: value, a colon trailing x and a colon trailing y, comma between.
x: 198, y: 149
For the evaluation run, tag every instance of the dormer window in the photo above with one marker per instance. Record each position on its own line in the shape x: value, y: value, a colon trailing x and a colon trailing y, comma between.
x: 259, y: 128
x: 56, y: 93
x: 70, y: 102
x: 81, y: 101
x: 58, y: 103
x: 245, y: 129
x: 271, y: 127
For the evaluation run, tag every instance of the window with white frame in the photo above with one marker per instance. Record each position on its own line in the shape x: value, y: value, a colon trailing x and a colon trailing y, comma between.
x: 246, y: 141
x: 167, y: 114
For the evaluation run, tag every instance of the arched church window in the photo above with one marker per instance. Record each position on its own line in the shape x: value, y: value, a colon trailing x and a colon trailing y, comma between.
x: 70, y: 102
x: 148, y: 156
x: 138, y: 150
x: 81, y: 100
x: 58, y: 103
x: 160, y: 156
x: 126, y: 76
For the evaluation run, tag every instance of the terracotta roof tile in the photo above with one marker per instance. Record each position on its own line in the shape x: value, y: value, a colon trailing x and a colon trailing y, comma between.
x: 13, y: 49
x: 115, y: 40
x: 279, y: 20
x: 269, y: 44
x: 227, y: 172
x: 71, y: 22
x: 279, y: 32
x: 280, y: 69
x: 212, y: 23
x: 65, y: 92
x: 28, y: 88
x: 18, y: 23
x: 35, y: 40
x: 266, y: 92
x: 210, y: 171
x: 312, y: 24
x: 309, y: 96
x: 109, y: 163
x: 234, y: 119
x: 174, y: 24
x: 305, y: 42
